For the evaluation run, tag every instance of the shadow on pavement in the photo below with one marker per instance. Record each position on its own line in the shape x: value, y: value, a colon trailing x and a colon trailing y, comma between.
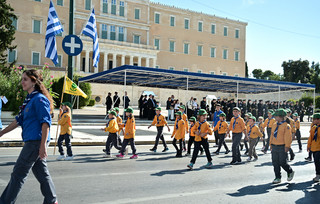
x: 311, y: 192
x: 8, y: 164
x: 263, y: 164
x: 300, y: 163
x: 255, y: 190
x: 159, y: 158
x: 173, y: 172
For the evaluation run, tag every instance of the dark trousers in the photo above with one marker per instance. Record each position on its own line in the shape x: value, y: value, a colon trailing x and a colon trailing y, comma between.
x: 141, y: 112
x: 298, y: 136
x: 126, y: 142
x: 160, y: 136
x: 190, y: 142
x: 236, y: 139
x: 174, y: 143
x: 222, y: 142
x: 66, y: 138
x: 279, y: 159
x: 150, y: 113
x: 205, y: 144
x: 29, y: 159
x: 119, y: 139
x: 252, y: 150
x: 316, y: 158
x: 266, y: 147
x: 112, y: 141
x: 246, y: 145
x: 301, y: 117
x: 184, y: 145
x: 216, y: 137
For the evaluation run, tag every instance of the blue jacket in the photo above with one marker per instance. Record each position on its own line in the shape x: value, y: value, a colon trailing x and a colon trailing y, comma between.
x: 34, y: 115
x: 216, y: 117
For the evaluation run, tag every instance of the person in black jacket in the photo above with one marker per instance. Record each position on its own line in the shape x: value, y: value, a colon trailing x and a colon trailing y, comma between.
x: 145, y: 106
x: 126, y: 100
x: 108, y: 102
x: 140, y: 104
x: 116, y: 100
x: 203, y: 103
x: 151, y: 106
x: 260, y: 108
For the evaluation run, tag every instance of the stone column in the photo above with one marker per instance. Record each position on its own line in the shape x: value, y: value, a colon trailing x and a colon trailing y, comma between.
x: 139, y: 61
x: 78, y: 64
x: 147, y: 62
x: 131, y: 60
x: 114, y: 60
x: 154, y: 63
x: 123, y: 60
x: 87, y: 68
x: 105, y: 63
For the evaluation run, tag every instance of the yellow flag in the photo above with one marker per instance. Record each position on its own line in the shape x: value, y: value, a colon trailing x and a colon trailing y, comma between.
x: 71, y: 88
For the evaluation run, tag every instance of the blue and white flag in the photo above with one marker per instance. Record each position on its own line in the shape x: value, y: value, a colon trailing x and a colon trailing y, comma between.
x: 90, y: 30
x: 53, y: 28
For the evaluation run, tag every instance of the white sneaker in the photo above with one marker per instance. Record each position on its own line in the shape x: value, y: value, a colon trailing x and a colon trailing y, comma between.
x: 290, y: 176
x: 255, y: 159
x: 317, y: 178
x: 107, y: 156
x: 61, y: 157
x: 68, y: 158
x: 249, y: 159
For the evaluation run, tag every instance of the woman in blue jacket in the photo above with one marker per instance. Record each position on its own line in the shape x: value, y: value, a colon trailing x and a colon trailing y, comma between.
x: 35, y: 121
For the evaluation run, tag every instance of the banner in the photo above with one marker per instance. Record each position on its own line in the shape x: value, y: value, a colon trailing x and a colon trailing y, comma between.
x: 71, y: 88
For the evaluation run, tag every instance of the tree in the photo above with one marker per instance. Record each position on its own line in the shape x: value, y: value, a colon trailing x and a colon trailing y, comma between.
x: 247, y: 70
x: 295, y: 71
x: 257, y: 73
x: 315, y: 78
x: 7, y: 31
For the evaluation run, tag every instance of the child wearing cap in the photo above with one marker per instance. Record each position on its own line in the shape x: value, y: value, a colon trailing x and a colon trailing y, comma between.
x: 314, y: 144
x: 113, y: 128
x: 119, y: 121
x: 179, y: 132
x: 221, y: 128
x: 268, y: 123
x: 280, y: 143
x: 253, y: 135
x: 65, y: 131
x: 298, y: 134
x: 202, y: 129
x: 129, y: 133
x: 309, y: 158
x: 237, y: 127
x: 261, y: 128
x: 160, y: 121
x: 192, y: 135
x: 182, y: 108
x: 291, y: 122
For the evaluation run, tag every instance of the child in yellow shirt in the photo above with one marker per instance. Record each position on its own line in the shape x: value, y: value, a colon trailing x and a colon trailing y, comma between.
x: 253, y: 135
x: 129, y: 133
x: 193, y: 121
x: 298, y: 133
x: 179, y: 133
x: 261, y: 128
x: 314, y: 144
x: 113, y: 128
x: 222, y: 128
x: 65, y: 131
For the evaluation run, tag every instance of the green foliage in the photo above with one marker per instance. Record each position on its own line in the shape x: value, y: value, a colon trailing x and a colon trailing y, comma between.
x: 295, y: 71
x: 85, y: 87
x: 246, y: 70
x: 7, y: 31
x: 315, y: 78
x: 257, y: 73
x: 292, y: 100
x: 267, y: 75
x: 307, y: 100
x: 318, y: 102
x: 91, y: 102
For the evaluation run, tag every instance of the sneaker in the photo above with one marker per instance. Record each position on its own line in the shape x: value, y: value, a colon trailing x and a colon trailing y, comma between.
x: 249, y: 159
x: 216, y: 153
x: 208, y: 165
x: 107, y: 156
x: 262, y: 148
x: 264, y: 152
x: 300, y: 150
x: 246, y: 153
x: 135, y: 156
x: 126, y: 152
x: 292, y: 157
x: 190, y: 166
x: 165, y: 149
x: 61, y: 157
x: 233, y: 162
x: 153, y: 150
x: 255, y: 159
x: 120, y: 156
x: 290, y: 176
x: 276, y: 181
x: 68, y: 158
x: 317, y: 178
x: 308, y: 159
x: 104, y: 150
x: 227, y: 152
x: 188, y: 154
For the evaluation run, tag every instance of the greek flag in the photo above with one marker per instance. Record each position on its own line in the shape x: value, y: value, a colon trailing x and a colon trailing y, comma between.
x: 53, y: 28
x: 90, y: 30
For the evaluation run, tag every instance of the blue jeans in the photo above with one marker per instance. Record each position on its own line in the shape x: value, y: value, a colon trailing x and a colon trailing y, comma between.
x: 236, y: 139
x: 29, y: 159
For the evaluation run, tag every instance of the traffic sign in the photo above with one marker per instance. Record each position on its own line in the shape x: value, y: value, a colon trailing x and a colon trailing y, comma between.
x: 72, y: 45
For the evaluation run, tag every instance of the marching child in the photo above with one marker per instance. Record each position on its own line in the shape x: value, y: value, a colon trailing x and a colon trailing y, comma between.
x: 298, y: 134
x: 222, y: 128
x: 292, y: 124
x: 309, y: 158
x: 129, y: 133
x: 182, y: 108
x: 65, y: 131
x: 261, y: 128
x: 160, y: 121
x: 280, y: 143
x: 268, y: 123
x: 314, y: 144
x: 179, y: 132
x: 119, y: 121
x: 113, y: 128
x: 202, y: 129
x: 253, y: 135
x: 193, y: 121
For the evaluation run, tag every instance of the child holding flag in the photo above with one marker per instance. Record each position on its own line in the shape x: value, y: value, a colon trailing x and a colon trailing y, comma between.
x: 111, y: 127
x: 314, y: 144
x: 221, y: 128
x: 179, y: 132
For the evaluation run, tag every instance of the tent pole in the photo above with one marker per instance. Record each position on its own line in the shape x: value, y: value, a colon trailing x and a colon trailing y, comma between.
x: 279, y: 97
x: 314, y: 100
x: 237, y: 92
x: 124, y: 92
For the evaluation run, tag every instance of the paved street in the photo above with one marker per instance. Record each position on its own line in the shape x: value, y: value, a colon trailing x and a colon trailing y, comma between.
x: 162, y: 178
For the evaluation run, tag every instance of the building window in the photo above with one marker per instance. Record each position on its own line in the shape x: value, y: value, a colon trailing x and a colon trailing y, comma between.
x: 104, y: 31
x: 172, y: 21
x: 14, y: 22
x: 185, y: 69
x: 38, y: 0
x: 136, y: 39
x: 236, y: 75
x: 171, y: 68
x: 212, y: 72
x: 12, y: 56
x: 199, y: 71
x: 114, y: 7
x: 157, y: 43
x: 225, y: 31
x: 237, y: 33
x: 225, y: 54
x: 224, y: 73
x: 172, y: 45
x: 186, y: 48
x: 121, y: 10
x: 137, y: 14
x: 213, y: 29
x: 157, y: 18
x: 113, y: 32
x: 236, y: 55
x: 212, y: 52
x: 199, y: 50
x: 88, y: 5
x: 200, y: 26
x: 36, y: 26
x: 121, y: 34
x: 60, y: 2
x: 35, y: 58
x: 59, y: 61
x: 186, y: 24
x: 105, y: 6
x: 157, y: 66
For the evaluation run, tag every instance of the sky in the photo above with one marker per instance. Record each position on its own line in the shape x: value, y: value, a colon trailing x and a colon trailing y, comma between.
x: 277, y: 31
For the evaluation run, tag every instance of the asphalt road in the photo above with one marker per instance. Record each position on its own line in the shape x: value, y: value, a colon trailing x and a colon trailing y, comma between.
x: 162, y: 178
